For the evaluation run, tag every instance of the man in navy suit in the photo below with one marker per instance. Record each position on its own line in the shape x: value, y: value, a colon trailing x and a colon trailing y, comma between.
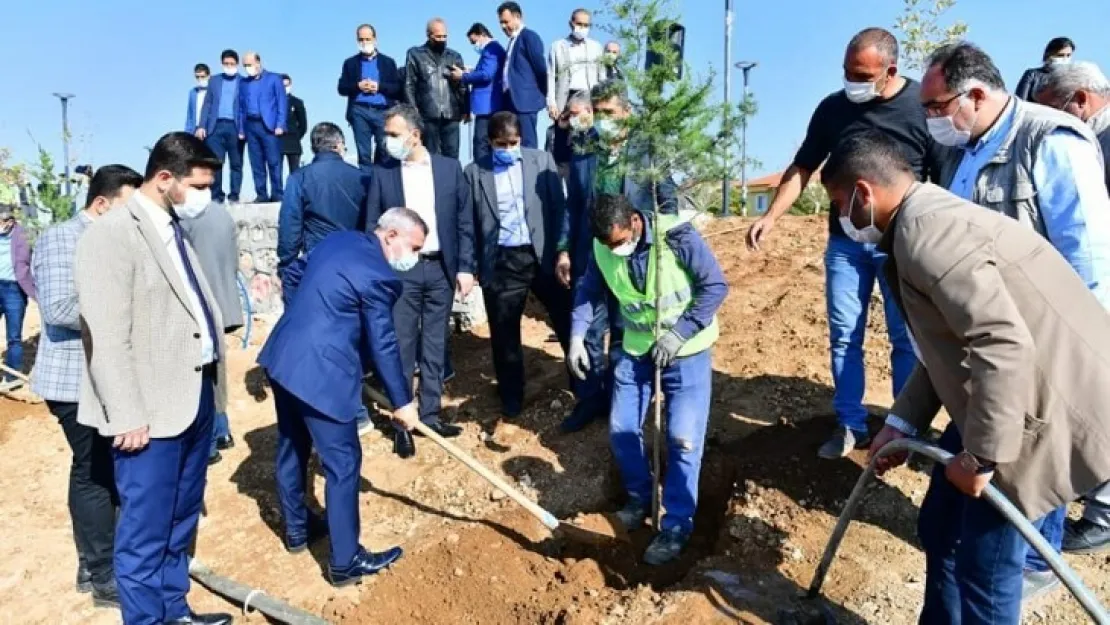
x: 197, y: 95
x: 316, y: 357
x: 371, y: 83
x: 525, y: 72
x: 219, y: 125
x: 434, y: 187
x: 486, y: 85
x: 263, y: 108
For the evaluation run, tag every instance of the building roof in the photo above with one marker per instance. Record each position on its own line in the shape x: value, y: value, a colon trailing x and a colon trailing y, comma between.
x: 772, y: 181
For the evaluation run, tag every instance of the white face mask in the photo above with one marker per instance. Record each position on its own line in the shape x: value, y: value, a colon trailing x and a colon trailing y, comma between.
x: 288, y: 90
x: 398, y: 147
x: 252, y: 70
x: 1059, y: 60
x: 202, y: 83
x: 479, y: 46
x: 406, y: 261
x: 869, y: 234
x: 580, y: 33
x: 860, y: 92
x: 196, y: 202
x: 231, y: 71
x: 625, y: 249
x: 945, y: 132
x: 367, y: 48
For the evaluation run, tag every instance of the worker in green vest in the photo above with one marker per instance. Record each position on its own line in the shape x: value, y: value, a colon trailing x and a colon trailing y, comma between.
x: 692, y: 288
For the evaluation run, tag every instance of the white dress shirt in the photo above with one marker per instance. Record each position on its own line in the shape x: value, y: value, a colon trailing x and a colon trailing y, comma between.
x: 201, y: 94
x: 162, y: 223
x: 420, y: 196
x: 578, y: 54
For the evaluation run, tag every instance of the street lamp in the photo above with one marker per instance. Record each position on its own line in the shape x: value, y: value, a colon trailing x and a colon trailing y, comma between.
x: 65, y: 98
x: 746, y: 67
x: 726, y: 185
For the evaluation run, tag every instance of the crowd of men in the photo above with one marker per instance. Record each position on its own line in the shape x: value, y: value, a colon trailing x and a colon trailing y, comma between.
x: 997, y: 315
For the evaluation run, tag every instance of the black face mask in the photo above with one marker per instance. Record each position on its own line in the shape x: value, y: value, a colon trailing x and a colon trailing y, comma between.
x: 437, y: 46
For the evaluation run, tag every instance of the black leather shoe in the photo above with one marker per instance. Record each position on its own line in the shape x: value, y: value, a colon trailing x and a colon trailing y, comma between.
x: 365, y: 563
x: 1085, y: 536
x: 105, y: 595
x: 511, y: 410
x: 298, y: 542
x: 446, y: 430
x: 584, y: 413
x: 84, y: 578
x: 225, y: 442
x: 215, y: 618
x: 214, y: 458
x: 403, y: 445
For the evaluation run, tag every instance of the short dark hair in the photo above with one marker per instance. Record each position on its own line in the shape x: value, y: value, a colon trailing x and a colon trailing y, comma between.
x: 608, y: 89
x: 286, y: 77
x: 871, y: 155
x: 511, y: 7
x: 610, y: 210
x: 407, y: 112
x: 501, y: 123
x: 480, y: 30
x: 373, y: 30
x: 229, y: 54
x: 109, y: 179
x: 201, y: 67
x: 179, y: 153
x: 325, y: 137
x: 1056, y: 46
x: 963, y: 61
x: 881, y: 38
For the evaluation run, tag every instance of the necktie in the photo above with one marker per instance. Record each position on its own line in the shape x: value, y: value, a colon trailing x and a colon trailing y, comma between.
x: 195, y: 285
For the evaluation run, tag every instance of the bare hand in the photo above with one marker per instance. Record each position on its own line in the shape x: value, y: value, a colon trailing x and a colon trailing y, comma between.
x: 279, y: 132
x: 242, y: 137
x: 406, y: 416
x: 759, y: 230
x: 373, y: 86
x: 364, y: 85
x: 201, y: 134
x: 464, y: 282
x: 553, y: 112
x: 562, y: 269
x: 965, y: 479
x: 133, y: 440
x: 886, y: 463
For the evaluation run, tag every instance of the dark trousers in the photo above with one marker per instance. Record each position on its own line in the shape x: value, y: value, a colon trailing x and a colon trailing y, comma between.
x: 528, y: 134
x: 293, y: 162
x: 92, y: 492
x: 161, y: 490
x: 224, y: 141
x: 301, y: 427
x: 368, y: 126
x: 422, y: 316
x: 264, y: 148
x: 441, y: 136
x: 481, y: 145
x: 516, y: 272
x: 13, y: 305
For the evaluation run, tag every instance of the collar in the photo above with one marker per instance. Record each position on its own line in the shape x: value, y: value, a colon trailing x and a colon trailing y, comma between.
x: 575, y: 42
x: 422, y: 162
x: 999, y: 128
x: 646, y: 238
x: 326, y: 156
x: 84, y: 218
x: 160, y: 216
x: 518, y: 31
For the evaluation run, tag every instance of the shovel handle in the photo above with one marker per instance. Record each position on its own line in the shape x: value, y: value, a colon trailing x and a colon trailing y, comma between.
x: 535, y: 510
x: 15, y: 374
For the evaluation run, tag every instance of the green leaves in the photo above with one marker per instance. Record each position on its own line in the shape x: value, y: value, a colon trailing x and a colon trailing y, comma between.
x: 921, y: 31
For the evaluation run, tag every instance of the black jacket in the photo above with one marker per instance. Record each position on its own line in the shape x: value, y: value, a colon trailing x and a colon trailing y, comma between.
x: 389, y: 84
x: 428, y: 88
x: 297, y: 127
x: 1030, y: 83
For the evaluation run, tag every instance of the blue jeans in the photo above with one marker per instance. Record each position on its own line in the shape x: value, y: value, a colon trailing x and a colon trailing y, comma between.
x: 264, y: 148
x: 368, y: 126
x: 13, y: 305
x: 850, y: 272
x: 687, y: 387
x: 1051, y: 527
x: 224, y: 141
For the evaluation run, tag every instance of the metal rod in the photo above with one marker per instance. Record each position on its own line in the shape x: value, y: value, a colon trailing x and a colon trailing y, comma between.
x: 1082, y: 594
x: 65, y: 98
x: 744, y: 149
x: 726, y: 184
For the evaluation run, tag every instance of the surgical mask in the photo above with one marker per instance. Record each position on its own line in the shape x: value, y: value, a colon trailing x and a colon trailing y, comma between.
x: 1059, y: 60
x: 196, y: 201
x: 606, y: 127
x: 580, y: 33
x: 860, y: 92
x: 367, y: 48
x: 231, y: 71
x: 868, y: 234
x: 945, y: 132
x: 506, y: 157
x: 202, y: 83
x: 478, y: 47
x: 406, y: 262
x: 397, y: 148
x: 577, y: 125
x: 252, y: 70
x: 625, y: 249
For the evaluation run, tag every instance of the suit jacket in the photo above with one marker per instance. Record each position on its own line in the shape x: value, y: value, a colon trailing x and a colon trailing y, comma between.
x: 1013, y: 345
x: 328, y: 339
x: 139, y: 332
x: 454, y: 208
x: 298, y: 127
x: 485, y: 81
x: 527, y: 73
x: 560, y: 64
x: 215, y: 237
x: 60, y: 359
x: 273, y: 104
x: 191, y: 110
x: 544, y: 204
x: 390, y: 84
x: 210, y: 109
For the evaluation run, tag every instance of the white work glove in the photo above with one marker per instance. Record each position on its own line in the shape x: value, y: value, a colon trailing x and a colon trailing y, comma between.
x: 578, y: 360
x: 666, y: 349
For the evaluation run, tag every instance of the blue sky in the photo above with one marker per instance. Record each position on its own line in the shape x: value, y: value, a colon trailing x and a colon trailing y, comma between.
x: 130, y: 62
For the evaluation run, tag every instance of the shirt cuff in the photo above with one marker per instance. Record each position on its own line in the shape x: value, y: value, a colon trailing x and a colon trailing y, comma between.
x: 685, y: 329
x: 901, y: 425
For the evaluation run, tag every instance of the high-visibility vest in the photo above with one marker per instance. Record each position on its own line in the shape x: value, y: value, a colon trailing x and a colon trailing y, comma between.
x: 638, y: 307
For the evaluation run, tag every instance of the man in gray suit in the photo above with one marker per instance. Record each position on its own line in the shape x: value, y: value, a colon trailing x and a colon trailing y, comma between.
x: 215, y: 238
x: 154, y: 377
x: 518, y: 205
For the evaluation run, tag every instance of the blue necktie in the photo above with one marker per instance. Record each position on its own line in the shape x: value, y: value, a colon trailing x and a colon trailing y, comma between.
x: 195, y: 284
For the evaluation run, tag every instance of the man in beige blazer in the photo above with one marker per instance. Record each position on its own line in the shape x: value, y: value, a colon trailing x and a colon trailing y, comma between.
x: 153, y: 343
x: 1010, y: 342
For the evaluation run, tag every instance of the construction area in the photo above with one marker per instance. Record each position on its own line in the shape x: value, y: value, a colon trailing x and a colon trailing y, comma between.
x: 767, y: 507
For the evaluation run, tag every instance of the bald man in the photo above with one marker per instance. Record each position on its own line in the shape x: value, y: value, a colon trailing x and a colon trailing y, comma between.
x: 442, y: 102
x: 263, y: 109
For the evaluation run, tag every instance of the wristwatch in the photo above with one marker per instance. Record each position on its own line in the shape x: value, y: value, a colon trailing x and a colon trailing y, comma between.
x: 971, y: 462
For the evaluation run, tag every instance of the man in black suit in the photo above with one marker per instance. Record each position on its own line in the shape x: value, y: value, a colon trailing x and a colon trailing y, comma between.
x: 434, y: 187
x: 371, y: 83
x: 298, y: 127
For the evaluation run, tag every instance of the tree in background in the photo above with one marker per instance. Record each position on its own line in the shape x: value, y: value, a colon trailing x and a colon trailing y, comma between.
x: 51, y: 188
x: 922, y: 31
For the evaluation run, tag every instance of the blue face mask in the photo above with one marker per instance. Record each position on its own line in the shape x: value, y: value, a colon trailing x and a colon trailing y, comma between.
x: 505, y: 158
x: 404, y: 263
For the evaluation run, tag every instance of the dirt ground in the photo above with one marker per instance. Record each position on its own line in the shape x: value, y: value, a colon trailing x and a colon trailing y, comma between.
x: 767, y: 504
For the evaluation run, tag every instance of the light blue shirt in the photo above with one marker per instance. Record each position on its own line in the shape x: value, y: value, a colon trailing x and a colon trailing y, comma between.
x: 1071, y: 196
x: 510, y: 206
x: 229, y: 91
x: 7, y: 267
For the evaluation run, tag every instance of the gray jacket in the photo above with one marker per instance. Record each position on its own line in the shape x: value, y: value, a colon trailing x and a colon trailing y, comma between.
x: 565, y: 56
x: 215, y: 238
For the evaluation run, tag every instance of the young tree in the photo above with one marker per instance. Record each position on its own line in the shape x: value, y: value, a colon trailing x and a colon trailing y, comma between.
x: 922, y: 31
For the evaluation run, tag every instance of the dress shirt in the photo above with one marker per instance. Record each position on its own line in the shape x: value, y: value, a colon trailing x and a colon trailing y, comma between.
x: 578, y: 59
x: 420, y: 196
x: 164, y: 226
x: 509, y: 58
x: 201, y: 94
x: 229, y: 93
x: 510, y: 206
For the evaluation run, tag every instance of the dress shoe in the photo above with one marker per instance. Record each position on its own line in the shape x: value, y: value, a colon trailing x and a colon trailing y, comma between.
x: 403, y: 445
x: 1084, y: 536
x: 445, y: 430
x: 215, y: 618
x: 296, y: 542
x: 584, y: 413
x: 225, y: 442
x: 511, y: 410
x: 84, y: 578
x: 105, y: 595
x: 214, y: 457
x: 365, y: 563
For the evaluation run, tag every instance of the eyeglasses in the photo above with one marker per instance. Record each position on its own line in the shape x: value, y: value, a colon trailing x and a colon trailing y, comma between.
x: 936, y: 108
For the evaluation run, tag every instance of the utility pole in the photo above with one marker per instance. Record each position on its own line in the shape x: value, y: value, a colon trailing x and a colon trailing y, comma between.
x: 726, y: 184
x: 65, y: 98
x: 746, y: 67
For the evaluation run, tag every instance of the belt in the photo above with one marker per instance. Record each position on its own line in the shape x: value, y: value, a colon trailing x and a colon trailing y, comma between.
x: 254, y: 117
x: 207, y: 370
x: 432, y: 256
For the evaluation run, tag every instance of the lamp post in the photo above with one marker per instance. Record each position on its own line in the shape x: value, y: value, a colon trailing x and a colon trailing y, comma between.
x: 65, y: 98
x: 726, y: 184
x: 746, y: 67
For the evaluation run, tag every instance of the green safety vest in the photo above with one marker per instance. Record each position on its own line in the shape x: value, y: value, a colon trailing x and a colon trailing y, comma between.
x: 638, y: 308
